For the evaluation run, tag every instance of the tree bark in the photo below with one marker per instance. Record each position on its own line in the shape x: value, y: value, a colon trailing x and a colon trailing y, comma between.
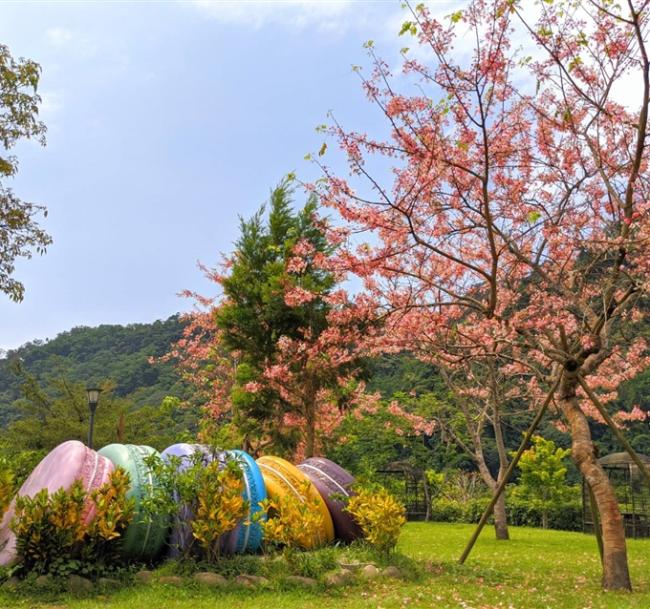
x: 499, y: 514
x: 501, y: 518
x: 616, y: 575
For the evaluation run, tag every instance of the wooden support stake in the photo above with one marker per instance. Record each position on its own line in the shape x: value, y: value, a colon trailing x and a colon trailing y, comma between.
x: 596, y: 519
x: 617, y: 432
x: 502, y: 485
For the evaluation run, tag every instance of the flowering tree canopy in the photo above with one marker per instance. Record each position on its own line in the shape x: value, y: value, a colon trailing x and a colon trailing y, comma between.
x: 514, y: 225
x: 279, y: 354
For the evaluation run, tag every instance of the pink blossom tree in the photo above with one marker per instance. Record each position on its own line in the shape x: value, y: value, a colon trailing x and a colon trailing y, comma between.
x: 513, y: 225
x: 279, y: 354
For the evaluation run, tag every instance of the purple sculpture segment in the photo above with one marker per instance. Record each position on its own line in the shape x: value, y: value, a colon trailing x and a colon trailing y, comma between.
x: 332, y: 480
x: 180, y: 538
x: 67, y: 463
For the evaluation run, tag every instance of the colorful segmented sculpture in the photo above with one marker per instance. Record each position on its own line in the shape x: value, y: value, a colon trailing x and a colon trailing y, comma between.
x: 67, y: 463
x: 180, y: 538
x: 331, y: 480
x: 247, y: 537
x: 144, y: 537
x: 281, y: 478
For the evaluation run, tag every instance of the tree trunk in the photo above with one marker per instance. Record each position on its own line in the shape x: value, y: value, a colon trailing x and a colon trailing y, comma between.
x: 310, y: 428
x: 310, y: 440
x: 501, y: 518
x: 544, y: 519
x: 616, y: 575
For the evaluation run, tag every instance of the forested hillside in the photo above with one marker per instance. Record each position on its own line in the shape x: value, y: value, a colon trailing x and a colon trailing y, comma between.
x: 121, y: 354
x: 92, y: 355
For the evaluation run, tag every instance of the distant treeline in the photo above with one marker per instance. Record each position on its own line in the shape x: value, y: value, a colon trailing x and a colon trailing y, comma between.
x: 91, y: 355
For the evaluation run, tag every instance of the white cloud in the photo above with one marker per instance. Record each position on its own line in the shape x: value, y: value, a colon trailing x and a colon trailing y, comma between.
x: 59, y: 36
x: 328, y: 15
x: 51, y: 102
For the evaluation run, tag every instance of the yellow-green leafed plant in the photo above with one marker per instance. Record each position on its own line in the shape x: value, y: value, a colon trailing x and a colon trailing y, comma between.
x: 220, y: 505
x: 51, y: 536
x: 48, y: 527
x: 113, y: 511
x: 292, y: 523
x: 113, y: 514
x: 7, y: 486
x: 380, y: 516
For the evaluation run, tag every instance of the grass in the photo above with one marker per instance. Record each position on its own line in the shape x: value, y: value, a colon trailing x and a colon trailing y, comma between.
x: 536, y: 569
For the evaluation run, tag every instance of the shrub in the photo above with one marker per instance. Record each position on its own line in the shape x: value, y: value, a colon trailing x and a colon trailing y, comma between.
x: 291, y: 522
x: 380, y: 517
x: 113, y: 513
x: 219, y: 506
x: 7, y: 486
x: 542, y: 483
x: 447, y: 510
x: 49, y: 527
x: 566, y: 515
x: 51, y: 536
x: 207, y: 493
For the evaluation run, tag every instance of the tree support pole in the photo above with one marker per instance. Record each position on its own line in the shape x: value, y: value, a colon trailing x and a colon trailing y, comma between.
x: 502, y: 485
x: 617, y: 432
x: 596, y: 518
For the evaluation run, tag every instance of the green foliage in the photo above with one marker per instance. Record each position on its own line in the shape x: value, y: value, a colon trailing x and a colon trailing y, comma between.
x: 113, y: 513
x: 566, y: 515
x: 380, y: 516
x: 7, y: 485
x: 51, y: 536
x: 58, y: 411
x: 220, y: 506
x: 542, y: 482
x: 49, y: 527
x: 288, y: 522
x: 209, y: 490
x: 20, y: 234
x: 255, y: 314
x: 120, y: 355
x: 366, y: 445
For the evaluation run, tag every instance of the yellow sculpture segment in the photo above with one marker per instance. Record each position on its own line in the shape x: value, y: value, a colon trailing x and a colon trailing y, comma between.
x: 281, y: 478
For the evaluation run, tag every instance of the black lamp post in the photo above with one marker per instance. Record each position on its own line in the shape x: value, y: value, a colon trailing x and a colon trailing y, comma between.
x: 93, y: 398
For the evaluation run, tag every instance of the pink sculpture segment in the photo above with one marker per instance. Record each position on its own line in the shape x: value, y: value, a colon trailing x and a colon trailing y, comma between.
x: 60, y: 468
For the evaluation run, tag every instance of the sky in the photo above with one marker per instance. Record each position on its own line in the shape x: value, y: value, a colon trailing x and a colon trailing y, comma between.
x: 166, y: 121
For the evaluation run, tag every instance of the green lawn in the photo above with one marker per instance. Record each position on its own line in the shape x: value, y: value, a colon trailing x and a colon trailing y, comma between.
x: 535, y: 570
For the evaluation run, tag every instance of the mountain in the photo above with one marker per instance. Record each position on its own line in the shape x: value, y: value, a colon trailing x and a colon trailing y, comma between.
x: 90, y: 355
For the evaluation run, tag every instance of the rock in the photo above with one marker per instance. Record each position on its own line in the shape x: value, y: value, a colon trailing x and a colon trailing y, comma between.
x: 391, y: 572
x: 108, y: 582
x: 298, y: 580
x: 171, y: 580
x: 43, y: 581
x: 76, y: 583
x: 338, y: 578
x: 251, y: 581
x: 11, y: 585
x: 350, y: 566
x: 369, y: 572
x: 213, y: 580
x: 144, y: 576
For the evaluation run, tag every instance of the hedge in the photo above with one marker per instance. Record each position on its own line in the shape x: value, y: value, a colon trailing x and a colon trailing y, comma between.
x: 566, y: 516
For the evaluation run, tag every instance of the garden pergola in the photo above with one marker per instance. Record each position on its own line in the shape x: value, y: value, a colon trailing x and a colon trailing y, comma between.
x: 632, y: 491
x: 410, y: 485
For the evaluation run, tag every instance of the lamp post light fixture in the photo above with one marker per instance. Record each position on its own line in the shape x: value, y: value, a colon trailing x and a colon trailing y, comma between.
x: 93, y: 398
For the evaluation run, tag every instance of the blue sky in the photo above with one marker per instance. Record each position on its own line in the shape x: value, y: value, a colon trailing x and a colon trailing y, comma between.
x: 166, y: 120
